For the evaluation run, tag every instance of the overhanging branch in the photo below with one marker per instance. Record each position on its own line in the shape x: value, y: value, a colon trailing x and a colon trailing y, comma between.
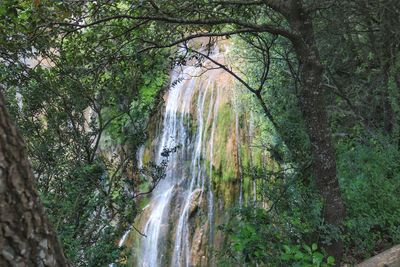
x: 265, y: 27
x: 198, y: 35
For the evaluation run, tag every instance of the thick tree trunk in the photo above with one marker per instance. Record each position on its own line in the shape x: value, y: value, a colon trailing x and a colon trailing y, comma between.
x: 26, y: 238
x: 312, y: 102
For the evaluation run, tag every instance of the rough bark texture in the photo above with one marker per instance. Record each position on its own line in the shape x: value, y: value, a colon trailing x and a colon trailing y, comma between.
x: 312, y: 102
x: 26, y: 238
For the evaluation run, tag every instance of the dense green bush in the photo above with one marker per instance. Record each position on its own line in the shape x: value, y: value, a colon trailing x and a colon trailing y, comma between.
x: 258, y: 238
x: 369, y: 173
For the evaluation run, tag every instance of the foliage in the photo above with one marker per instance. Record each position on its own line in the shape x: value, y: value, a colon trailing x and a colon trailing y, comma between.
x: 369, y: 174
x: 257, y: 237
x: 253, y: 238
x: 82, y: 105
x: 306, y: 256
x: 362, y: 95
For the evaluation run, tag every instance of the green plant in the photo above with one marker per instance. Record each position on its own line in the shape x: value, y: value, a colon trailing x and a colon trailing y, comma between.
x: 306, y: 256
x: 370, y: 181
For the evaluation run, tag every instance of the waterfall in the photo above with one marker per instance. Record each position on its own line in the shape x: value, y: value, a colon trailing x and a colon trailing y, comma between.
x: 174, y: 233
x: 181, y: 249
x: 184, y: 183
x: 173, y: 134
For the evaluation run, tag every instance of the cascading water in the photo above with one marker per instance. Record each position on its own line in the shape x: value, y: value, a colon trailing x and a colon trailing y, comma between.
x: 202, y: 178
x: 181, y: 250
x: 187, y: 182
x: 172, y: 133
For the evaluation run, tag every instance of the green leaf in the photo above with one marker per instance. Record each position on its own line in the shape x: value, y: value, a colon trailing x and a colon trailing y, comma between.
x: 307, y: 248
x: 331, y: 260
x: 287, y: 248
x: 299, y: 255
x: 314, y: 247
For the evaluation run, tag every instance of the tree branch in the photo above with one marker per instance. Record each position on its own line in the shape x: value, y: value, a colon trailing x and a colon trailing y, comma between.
x: 198, y: 35
x: 201, y: 22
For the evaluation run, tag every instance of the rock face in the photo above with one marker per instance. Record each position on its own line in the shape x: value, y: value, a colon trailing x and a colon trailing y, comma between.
x: 388, y: 258
x: 195, y: 202
x: 202, y: 179
x: 198, y: 254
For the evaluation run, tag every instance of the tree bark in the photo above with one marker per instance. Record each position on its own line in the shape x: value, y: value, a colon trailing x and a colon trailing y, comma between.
x: 312, y: 103
x: 26, y: 237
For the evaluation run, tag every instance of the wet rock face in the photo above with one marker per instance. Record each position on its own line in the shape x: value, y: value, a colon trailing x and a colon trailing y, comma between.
x: 198, y: 257
x: 195, y: 202
x: 199, y: 226
x: 201, y: 176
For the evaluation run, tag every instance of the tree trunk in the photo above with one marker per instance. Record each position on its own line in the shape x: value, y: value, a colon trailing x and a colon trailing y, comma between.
x: 26, y: 237
x: 312, y: 103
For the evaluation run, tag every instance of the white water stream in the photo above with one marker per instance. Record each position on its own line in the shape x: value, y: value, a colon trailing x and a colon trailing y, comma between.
x: 191, y: 108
